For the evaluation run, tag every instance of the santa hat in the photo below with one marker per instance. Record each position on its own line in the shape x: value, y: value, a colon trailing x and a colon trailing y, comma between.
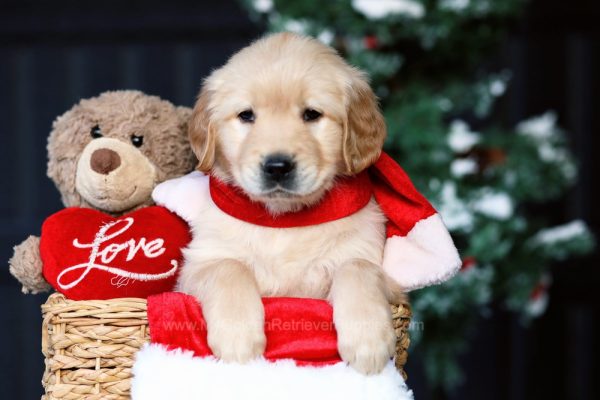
x: 300, y: 361
x: 418, y: 251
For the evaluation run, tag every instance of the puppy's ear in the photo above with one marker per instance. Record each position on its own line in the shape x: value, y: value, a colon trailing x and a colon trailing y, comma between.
x: 201, y: 133
x: 364, y: 128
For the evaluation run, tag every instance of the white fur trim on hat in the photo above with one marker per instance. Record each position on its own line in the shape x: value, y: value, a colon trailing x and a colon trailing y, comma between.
x: 186, y: 196
x: 178, y: 375
x: 426, y: 256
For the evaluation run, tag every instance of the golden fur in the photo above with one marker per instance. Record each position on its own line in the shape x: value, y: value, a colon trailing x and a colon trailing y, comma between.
x: 230, y: 264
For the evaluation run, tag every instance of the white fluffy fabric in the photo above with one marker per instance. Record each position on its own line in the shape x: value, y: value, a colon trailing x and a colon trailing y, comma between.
x: 426, y: 256
x: 187, y: 196
x: 178, y: 375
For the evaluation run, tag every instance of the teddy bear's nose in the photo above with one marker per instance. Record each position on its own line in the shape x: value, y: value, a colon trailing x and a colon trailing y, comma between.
x: 104, y: 161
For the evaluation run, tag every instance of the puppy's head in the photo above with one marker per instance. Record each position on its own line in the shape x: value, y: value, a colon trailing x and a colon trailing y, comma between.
x: 283, y: 118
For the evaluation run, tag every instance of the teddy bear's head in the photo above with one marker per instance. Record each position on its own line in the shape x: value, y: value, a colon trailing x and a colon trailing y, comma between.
x: 110, y: 151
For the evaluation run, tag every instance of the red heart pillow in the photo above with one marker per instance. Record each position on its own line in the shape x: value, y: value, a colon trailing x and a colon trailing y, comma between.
x: 90, y: 255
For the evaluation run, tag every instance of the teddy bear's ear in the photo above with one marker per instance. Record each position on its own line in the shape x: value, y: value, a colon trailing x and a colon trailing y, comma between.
x: 65, y: 144
x: 201, y: 134
x: 184, y: 114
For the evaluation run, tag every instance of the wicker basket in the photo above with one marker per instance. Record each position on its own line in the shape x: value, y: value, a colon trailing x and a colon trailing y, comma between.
x: 90, y: 345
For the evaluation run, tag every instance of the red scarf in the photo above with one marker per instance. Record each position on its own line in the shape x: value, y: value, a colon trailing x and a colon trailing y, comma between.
x: 401, y: 203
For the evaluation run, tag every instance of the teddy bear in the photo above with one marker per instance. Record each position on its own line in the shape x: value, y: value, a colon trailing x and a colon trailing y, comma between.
x: 107, y: 153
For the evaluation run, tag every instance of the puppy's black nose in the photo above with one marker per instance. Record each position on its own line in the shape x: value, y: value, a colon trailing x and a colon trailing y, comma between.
x: 278, y: 167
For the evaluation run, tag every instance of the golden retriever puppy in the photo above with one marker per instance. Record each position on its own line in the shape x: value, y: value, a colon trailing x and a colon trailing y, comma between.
x: 281, y: 121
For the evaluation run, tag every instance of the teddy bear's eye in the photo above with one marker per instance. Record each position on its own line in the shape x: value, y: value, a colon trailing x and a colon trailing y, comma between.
x: 95, y: 132
x: 136, y: 140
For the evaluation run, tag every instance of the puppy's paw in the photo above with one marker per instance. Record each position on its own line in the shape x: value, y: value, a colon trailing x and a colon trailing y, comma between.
x: 367, y: 345
x: 237, y: 341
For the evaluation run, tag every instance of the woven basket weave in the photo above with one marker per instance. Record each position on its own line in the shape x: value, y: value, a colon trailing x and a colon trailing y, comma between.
x: 90, y: 345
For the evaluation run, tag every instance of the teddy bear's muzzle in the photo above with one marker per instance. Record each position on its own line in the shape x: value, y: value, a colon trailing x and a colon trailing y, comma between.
x: 114, y: 176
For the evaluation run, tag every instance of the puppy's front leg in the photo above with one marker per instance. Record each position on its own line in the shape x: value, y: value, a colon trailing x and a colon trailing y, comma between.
x: 232, y: 308
x: 362, y: 316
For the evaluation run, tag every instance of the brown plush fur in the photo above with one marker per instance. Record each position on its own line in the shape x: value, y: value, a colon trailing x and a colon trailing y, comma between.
x: 164, y: 154
x: 119, y: 114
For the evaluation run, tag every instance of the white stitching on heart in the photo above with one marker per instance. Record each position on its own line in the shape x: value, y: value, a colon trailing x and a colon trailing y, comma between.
x: 151, y: 249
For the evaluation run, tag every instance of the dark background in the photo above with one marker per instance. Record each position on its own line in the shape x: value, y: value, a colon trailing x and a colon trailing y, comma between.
x: 53, y: 53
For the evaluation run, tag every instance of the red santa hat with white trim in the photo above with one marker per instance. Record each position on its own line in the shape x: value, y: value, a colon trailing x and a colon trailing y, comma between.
x: 300, y: 362
x: 419, y: 251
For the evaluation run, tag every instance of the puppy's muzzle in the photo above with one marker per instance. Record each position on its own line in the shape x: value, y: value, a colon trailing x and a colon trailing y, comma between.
x: 278, y: 169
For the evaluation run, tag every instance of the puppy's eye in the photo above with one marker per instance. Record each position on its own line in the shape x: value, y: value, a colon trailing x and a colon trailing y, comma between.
x: 247, y: 116
x: 137, y: 141
x: 310, y: 115
x: 95, y: 132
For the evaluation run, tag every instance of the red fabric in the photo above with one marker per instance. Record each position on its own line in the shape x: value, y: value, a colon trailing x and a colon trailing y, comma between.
x: 87, y: 254
x: 399, y: 200
x: 347, y: 197
x: 298, y: 329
